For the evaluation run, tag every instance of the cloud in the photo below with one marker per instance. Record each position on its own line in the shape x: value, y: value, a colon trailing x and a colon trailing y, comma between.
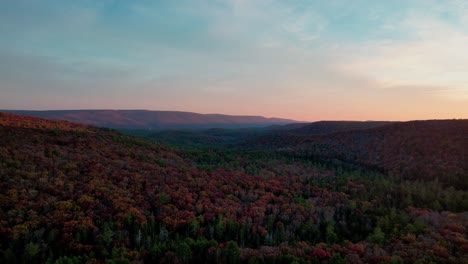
x: 434, y: 57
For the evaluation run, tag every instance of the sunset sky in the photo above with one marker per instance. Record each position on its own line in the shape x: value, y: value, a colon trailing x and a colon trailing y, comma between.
x: 306, y: 60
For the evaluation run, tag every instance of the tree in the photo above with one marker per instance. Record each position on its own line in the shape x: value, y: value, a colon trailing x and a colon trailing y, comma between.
x: 231, y: 253
x: 377, y: 236
x: 31, y: 250
x: 107, y: 235
x: 330, y: 234
x: 184, y: 252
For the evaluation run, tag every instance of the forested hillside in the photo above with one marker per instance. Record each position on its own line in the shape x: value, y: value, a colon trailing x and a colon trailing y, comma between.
x: 71, y: 193
x: 433, y: 150
x: 329, y: 127
x: 225, y: 138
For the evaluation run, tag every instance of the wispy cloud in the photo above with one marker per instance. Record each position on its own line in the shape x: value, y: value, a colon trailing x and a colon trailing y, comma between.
x: 433, y: 56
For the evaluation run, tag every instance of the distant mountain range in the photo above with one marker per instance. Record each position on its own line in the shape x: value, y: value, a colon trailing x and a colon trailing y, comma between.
x: 157, y: 120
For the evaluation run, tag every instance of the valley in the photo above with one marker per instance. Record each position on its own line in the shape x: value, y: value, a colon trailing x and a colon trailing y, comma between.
x: 72, y: 193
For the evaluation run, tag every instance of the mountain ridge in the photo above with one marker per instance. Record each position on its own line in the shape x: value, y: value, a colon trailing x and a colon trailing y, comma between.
x: 152, y: 119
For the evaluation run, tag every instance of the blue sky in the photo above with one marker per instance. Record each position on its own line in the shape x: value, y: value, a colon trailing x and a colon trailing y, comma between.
x: 308, y: 60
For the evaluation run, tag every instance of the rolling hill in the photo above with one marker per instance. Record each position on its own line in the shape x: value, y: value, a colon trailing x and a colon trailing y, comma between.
x: 424, y: 150
x: 157, y: 120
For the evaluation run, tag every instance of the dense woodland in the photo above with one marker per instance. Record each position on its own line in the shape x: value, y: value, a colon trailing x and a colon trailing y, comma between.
x: 71, y: 193
x: 433, y: 150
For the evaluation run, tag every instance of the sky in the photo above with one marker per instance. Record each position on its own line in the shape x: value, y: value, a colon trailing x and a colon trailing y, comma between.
x: 305, y: 60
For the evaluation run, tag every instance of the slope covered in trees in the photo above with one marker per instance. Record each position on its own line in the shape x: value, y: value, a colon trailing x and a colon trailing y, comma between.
x: 71, y: 194
x: 329, y: 127
x: 218, y: 137
x: 206, y: 138
x: 433, y: 150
